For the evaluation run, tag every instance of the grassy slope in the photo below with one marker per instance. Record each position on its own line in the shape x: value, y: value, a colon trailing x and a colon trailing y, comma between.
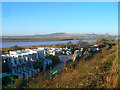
x: 100, y: 71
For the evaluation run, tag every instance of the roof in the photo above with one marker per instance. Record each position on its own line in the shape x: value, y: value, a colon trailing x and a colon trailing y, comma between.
x: 24, y: 52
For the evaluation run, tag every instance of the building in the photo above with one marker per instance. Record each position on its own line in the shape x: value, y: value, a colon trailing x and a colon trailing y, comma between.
x: 107, y: 36
x: 26, y: 62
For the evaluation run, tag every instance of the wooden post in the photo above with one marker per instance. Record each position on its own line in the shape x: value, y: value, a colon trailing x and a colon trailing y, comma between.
x: 65, y: 64
x: 50, y: 73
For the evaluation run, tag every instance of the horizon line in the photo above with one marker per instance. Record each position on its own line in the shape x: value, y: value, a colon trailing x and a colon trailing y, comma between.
x: 58, y: 32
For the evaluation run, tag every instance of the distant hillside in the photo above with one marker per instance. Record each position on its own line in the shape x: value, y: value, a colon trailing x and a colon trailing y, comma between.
x: 68, y: 35
x: 52, y: 35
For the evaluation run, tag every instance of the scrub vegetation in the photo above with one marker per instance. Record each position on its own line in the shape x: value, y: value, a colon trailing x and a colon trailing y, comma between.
x: 101, y: 71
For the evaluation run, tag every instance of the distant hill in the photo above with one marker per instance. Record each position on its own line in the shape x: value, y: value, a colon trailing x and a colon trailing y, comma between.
x: 52, y: 35
x: 65, y: 35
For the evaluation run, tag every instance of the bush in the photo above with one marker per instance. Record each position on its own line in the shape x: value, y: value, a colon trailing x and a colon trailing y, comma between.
x: 69, y: 43
x: 60, y: 45
x: 102, y: 41
x: 16, y: 48
x: 107, y: 65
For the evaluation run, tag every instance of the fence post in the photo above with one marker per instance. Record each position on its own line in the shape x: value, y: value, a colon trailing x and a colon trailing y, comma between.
x: 50, y: 73
x: 65, y: 64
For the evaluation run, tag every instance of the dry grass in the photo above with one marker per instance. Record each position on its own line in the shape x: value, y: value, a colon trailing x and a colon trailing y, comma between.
x: 89, y: 73
x: 101, y: 71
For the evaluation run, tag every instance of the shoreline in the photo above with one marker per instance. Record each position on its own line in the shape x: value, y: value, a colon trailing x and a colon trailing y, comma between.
x: 42, y: 43
x: 42, y: 39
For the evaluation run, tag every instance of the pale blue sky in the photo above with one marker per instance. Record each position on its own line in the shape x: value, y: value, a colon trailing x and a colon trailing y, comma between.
x: 60, y: 0
x: 29, y: 18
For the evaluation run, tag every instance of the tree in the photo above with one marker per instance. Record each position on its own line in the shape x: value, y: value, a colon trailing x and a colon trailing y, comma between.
x: 80, y: 42
x: 101, y: 41
x: 60, y: 45
x: 16, y: 48
x: 69, y: 43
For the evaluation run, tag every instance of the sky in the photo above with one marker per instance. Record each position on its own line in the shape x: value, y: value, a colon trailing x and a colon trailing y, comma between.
x: 60, y: 0
x: 30, y: 18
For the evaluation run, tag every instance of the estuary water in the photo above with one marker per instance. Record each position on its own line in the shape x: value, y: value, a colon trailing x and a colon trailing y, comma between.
x: 21, y: 44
